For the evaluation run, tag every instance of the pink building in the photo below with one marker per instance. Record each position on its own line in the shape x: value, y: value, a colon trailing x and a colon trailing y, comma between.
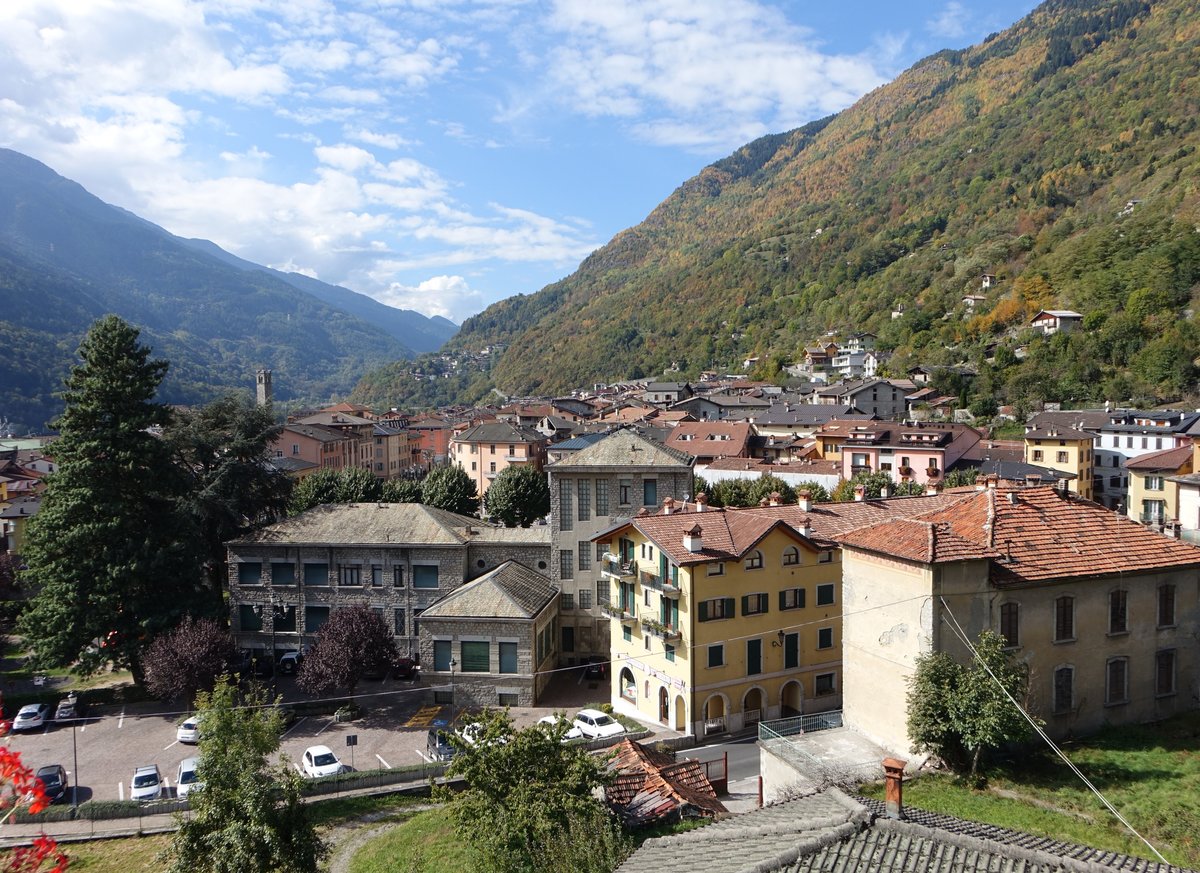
x: 486, y: 450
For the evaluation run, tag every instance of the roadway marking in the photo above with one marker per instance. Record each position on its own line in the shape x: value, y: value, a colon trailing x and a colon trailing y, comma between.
x: 293, y: 727
x: 423, y: 717
x: 165, y: 748
x: 121, y: 720
x: 121, y: 790
x: 385, y: 764
x: 424, y: 757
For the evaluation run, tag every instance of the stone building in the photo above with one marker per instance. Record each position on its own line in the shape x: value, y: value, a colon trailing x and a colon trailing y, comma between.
x: 492, y: 641
x: 399, y: 558
x: 616, y: 477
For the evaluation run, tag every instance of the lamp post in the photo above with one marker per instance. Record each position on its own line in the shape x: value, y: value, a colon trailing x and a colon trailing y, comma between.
x: 75, y: 756
x: 453, y: 664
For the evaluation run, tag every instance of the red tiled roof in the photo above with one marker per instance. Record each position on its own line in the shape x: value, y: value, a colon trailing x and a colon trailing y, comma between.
x: 915, y: 540
x: 1167, y: 459
x: 651, y: 786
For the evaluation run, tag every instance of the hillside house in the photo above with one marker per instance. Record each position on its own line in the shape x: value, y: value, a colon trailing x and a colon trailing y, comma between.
x: 1052, y: 321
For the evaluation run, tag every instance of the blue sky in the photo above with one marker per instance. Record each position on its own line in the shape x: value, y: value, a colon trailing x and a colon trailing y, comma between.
x: 438, y: 155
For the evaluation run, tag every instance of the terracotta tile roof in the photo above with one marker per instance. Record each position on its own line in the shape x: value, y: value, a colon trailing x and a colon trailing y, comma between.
x: 915, y: 540
x: 711, y: 438
x: 651, y: 786
x: 1167, y: 459
x: 1058, y: 433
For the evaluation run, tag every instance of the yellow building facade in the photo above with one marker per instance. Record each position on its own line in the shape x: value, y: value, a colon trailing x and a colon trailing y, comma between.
x: 1067, y: 450
x: 720, y: 619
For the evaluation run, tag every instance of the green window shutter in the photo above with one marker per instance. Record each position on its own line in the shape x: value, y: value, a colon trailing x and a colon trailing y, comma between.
x: 703, y: 616
x: 791, y: 650
x: 441, y: 655
x: 745, y: 604
x: 729, y: 603
x: 476, y: 657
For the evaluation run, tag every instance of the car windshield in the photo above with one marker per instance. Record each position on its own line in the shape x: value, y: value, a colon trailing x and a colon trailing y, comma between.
x: 189, y: 725
x: 602, y: 720
x: 28, y: 712
x: 325, y: 760
x: 144, y: 780
x: 50, y: 780
x: 187, y: 777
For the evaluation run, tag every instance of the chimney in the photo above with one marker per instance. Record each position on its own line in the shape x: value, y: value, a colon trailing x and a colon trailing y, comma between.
x: 1033, y: 480
x: 806, y: 530
x: 893, y: 778
x: 993, y: 480
x: 701, y: 502
x: 668, y: 505
x: 981, y: 482
x: 692, y: 540
x: 776, y: 499
x: 885, y: 490
x: 804, y: 500
x: 764, y: 502
x: 932, y: 489
x: 860, y: 492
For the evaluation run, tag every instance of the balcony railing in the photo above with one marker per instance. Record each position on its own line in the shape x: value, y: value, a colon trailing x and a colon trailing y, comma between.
x: 1155, y: 518
x: 657, y: 583
x: 612, y: 566
x: 625, y: 615
x: 656, y: 627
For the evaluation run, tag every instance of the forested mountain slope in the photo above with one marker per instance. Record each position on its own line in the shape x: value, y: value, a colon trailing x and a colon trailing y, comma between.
x: 1016, y: 157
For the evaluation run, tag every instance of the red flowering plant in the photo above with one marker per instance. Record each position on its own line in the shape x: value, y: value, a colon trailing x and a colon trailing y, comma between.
x: 20, y: 787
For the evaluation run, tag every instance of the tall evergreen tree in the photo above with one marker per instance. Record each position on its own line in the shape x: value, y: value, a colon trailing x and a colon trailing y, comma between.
x: 112, y: 559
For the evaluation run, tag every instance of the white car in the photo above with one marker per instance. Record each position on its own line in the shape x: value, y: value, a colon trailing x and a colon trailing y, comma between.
x: 146, y: 784
x: 189, y: 730
x: 552, y: 721
x: 187, y: 779
x: 593, y: 723
x: 32, y: 716
x: 320, y: 761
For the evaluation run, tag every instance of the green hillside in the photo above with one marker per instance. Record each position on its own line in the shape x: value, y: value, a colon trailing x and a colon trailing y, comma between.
x: 1016, y: 157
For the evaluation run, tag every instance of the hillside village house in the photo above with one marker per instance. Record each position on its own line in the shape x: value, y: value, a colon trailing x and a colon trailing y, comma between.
x: 613, y: 476
x: 486, y: 450
x: 872, y: 397
x: 399, y: 558
x: 1052, y: 321
x: 707, y: 440
x: 720, y: 406
x: 1153, y: 488
x: 918, y: 452
x: 1064, y: 449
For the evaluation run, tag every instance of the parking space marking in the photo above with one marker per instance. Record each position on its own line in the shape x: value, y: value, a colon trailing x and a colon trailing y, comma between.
x: 423, y: 717
x: 121, y: 790
x: 385, y: 764
x: 325, y: 727
x: 121, y: 719
x: 426, y: 758
x: 293, y: 727
x: 176, y: 743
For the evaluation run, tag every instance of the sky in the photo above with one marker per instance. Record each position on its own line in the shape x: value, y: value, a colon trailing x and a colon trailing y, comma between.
x: 438, y: 155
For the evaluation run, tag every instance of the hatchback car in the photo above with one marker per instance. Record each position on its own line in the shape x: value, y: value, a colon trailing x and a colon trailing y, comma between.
x: 289, y: 663
x: 552, y: 721
x: 69, y: 707
x: 593, y: 723
x: 31, y: 716
x: 146, y: 784
x: 189, y: 730
x: 187, y: 779
x: 320, y: 761
x: 54, y: 781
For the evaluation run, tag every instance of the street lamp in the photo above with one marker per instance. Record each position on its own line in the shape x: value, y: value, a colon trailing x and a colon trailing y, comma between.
x: 75, y: 756
x: 453, y: 664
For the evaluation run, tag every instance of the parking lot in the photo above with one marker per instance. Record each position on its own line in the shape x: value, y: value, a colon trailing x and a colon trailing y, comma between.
x: 103, y: 749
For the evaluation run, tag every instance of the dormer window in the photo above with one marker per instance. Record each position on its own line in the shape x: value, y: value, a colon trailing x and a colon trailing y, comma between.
x: 754, y: 561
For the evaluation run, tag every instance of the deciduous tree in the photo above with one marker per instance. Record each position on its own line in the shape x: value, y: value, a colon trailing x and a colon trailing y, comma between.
x: 353, y: 639
x: 352, y: 485
x: 112, y: 558
x: 451, y: 489
x: 249, y: 817
x: 518, y: 496
x: 401, y: 491
x: 188, y: 659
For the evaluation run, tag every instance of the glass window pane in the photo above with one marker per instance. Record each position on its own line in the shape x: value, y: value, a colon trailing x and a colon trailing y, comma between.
x: 508, y: 657
x: 250, y: 573
x: 425, y: 576
x: 283, y: 574
x: 441, y: 655
x: 316, y: 574
x: 476, y: 657
x: 314, y: 617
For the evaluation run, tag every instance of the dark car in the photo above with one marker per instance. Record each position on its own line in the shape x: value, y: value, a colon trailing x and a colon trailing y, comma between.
x: 253, y: 665
x: 596, y: 669
x: 438, y: 746
x: 54, y: 781
x: 404, y: 668
x: 289, y: 663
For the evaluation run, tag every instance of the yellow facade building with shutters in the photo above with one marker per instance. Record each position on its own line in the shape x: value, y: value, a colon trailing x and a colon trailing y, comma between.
x: 1065, y: 449
x: 721, y: 618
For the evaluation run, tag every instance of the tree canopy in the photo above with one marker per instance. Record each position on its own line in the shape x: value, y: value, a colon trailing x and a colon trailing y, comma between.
x: 349, y: 485
x: 188, y: 659
x: 518, y: 496
x: 451, y: 489
x: 353, y: 639
x: 112, y: 558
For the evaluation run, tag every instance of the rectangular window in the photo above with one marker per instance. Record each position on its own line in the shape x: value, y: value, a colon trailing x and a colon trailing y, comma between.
x: 825, y: 594
x: 1010, y: 627
x: 1064, y: 619
x: 283, y: 574
x: 585, y: 598
x: 476, y: 656
x: 249, y: 618
x: 716, y: 655
x: 566, y: 516
x: 566, y: 561
x: 492, y: 467
x: 1164, y: 672
x: 791, y: 598
x: 625, y: 492
x: 250, y: 573
x: 601, y: 551
x: 825, y: 638
x: 717, y: 608
x: 717, y: 569
x: 376, y: 576
x: 507, y: 698
x: 285, y: 619
x: 754, y: 604
x: 1060, y: 457
x: 566, y: 600
x: 626, y: 634
x: 585, y: 555
x: 398, y: 576
x: 1166, y: 605
x: 825, y: 557
x: 791, y: 651
x: 669, y: 651
x: 1064, y: 689
x: 441, y: 655
x: 416, y: 628
x: 1118, y: 615
x: 398, y: 616
x: 1116, y: 686
x: 823, y: 684
x: 350, y: 575
x: 1154, y: 483
x: 601, y: 497
x: 508, y: 657
x: 316, y: 574
x: 603, y: 592
x: 650, y: 492
x: 584, y: 487
x: 315, y: 617
x: 1037, y: 454
x: 425, y: 576
x: 753, y: 657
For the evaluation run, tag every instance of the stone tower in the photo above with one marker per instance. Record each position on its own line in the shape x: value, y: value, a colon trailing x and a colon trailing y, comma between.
x: 263, y: 392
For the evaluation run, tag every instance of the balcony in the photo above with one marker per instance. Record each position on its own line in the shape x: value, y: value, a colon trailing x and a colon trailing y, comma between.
x: 614, y: 568
x: 625, y: 614
x: 660, y: 630
x: 665, y: 587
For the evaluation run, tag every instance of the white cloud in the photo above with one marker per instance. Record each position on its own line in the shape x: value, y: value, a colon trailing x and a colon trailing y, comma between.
x: 383, y: 140
x: 448, y: 296
x: 950, y: 22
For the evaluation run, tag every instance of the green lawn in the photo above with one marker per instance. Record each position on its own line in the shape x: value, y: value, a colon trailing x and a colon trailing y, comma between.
x: 424, y: 844
x: 1150, y: 773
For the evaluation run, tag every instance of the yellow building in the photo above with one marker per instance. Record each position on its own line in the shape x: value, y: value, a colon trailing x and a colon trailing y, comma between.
x: 1065, y: 449
x: 722, y: 618
x: 1153, y: 496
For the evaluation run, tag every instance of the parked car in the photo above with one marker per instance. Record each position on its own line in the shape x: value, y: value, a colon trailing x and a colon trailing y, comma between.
x: 31, y: 716
x: 596, y: 669
x: 320, y: 761
x: 189, y: 730
x: 552, y: 721
x: 187, y: 778
x: 54, y: 781
x: 405, y: 668
x: 146, y: 784
x: 289, y: 663
x: 593, y: 723
x: 69, y: 707
x: 438, y: 745
x: 375, y: 672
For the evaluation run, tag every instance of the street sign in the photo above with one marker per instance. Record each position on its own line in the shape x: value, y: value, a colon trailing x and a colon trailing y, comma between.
x: 351, y: 739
